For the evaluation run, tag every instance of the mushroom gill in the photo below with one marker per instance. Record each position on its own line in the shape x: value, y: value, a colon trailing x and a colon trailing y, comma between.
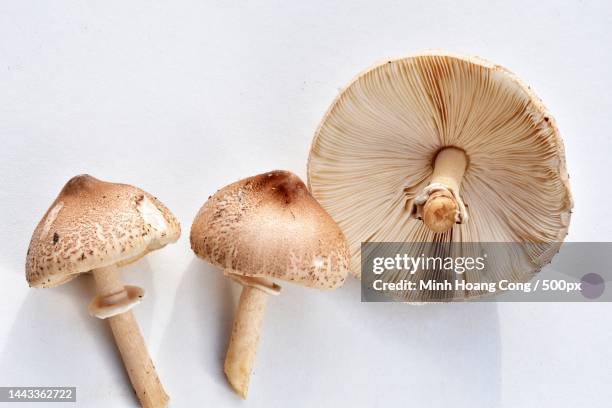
x: 374, y: 155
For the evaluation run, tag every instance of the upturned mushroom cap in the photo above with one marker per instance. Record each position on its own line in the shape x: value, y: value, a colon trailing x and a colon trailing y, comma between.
x: 374, y: 152
x: 93, y: 224
x: 270, y: 226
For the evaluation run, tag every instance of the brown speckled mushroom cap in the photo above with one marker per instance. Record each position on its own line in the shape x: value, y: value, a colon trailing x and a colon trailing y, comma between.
x: 93, y: 224
x: 270, y: 226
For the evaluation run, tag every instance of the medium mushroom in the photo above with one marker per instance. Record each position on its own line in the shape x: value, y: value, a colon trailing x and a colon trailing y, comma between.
x: 263, y: 228
x: 440, y: 148
x: 98, y: 226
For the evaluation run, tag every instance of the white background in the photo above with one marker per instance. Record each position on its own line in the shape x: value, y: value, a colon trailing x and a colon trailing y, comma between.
x: 181, y: 98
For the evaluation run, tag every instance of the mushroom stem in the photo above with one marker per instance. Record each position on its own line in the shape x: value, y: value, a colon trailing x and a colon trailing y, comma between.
x: 439, y: 205
x: 130, y: 343
x: 449, y: 167
x: 242, y: 348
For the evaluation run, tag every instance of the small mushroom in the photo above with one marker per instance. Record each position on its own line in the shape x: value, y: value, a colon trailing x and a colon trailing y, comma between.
x: 98, y: 226
x: 262, y: 228
x: 439, y: 147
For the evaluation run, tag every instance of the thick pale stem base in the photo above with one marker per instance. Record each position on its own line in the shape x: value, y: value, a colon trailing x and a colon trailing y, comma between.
x: 243, y: 344
x: 443, y: 207
x: 131, y: 345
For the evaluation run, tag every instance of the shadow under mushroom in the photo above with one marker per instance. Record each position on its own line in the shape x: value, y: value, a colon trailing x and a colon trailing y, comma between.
x: 201, y: 321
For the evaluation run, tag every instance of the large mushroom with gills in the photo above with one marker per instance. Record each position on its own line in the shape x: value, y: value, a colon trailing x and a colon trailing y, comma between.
x: 441, y: 148
x: 260, y: 229
x: 96, y: 226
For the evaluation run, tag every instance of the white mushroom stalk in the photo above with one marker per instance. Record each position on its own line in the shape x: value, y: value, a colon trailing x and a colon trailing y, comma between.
x: 114, y: 296
x: 439, y: 204
x: 242, y: 349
